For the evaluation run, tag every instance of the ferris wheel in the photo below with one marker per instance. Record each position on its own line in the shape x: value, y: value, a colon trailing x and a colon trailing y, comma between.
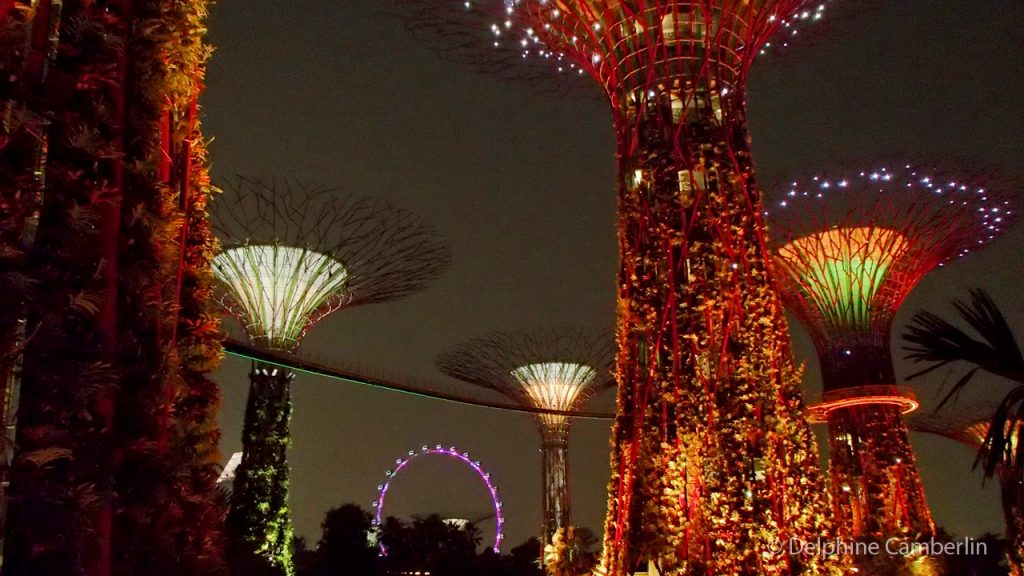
x: 453, y: 453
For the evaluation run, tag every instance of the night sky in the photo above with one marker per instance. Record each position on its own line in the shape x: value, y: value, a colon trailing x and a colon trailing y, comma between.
x: 522, y: 186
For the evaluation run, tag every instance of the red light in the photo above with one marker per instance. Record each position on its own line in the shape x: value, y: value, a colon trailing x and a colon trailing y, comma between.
x: 902, y: 398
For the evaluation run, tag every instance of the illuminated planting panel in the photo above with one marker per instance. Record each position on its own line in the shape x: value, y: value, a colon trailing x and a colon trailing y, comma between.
x: 227, y: 475
x: 841, y: 270
x: 277, y: 289
x: 554, y: 385
x: 451, y: 452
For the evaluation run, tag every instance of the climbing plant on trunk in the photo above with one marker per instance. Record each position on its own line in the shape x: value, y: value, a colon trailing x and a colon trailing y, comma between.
x: 117, y: 456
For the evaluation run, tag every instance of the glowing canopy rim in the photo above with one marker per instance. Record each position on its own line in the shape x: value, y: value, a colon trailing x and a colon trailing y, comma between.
x: 382, y: 490
x: 510, y: 29
x: 993, y: 212
x: 554, y: 385
x: 905, y: 221
x: 842, y: 269
x: 881, y: 395
x: 276, y: 290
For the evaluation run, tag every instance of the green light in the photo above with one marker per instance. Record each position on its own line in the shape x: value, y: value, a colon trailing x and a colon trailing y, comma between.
x: 842, y: 270
x: 277, y: 289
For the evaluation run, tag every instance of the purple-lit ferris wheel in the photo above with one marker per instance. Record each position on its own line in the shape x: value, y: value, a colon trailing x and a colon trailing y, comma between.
x: 451, y: 452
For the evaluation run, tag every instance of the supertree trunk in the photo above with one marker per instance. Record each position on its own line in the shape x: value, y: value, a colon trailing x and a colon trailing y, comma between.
x: 62, y: 483
x: 168, y: 520
x: 25, y: 48
x: 259, y: 524
x: 191, y: 434
x: 877, y: 492
x: 712, y: 465
x: 555, y: 470
x: 116, y: 438
x: 876, y: 488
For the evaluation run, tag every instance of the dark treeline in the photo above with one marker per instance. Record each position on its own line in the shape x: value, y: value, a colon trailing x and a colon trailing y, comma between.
x: 429, y: 545
x: 424, y: 545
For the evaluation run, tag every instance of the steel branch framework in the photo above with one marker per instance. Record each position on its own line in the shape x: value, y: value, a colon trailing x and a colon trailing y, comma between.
x: 712, y: 461
x: 553, y: 369
x: 292, y: 255
x: 493, y: 37
x: 964, y: 422
x: 851, y: 247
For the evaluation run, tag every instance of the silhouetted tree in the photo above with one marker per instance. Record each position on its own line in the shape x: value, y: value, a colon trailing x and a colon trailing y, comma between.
x: 305, y: 558
x: 991, y: 559
x: 525, y: 558
x: 429, y: 544
x: 344, y: 547
x: 426, y: 544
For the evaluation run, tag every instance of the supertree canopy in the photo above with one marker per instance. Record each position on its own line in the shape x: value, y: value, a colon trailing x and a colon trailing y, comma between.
x: 851, y: 247
x: 966, y: 423
x: 712, y: 460
x: 291, y: 256
x: 278, y: 289
x: 556, y: 370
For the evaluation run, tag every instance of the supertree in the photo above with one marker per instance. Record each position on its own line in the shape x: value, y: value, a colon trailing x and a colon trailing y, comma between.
x: 851, y: 246
x: 968, y: 423
x: 555, y: 369
x: 292, y: 255
x: 712, y: 461
x: 106, y: 321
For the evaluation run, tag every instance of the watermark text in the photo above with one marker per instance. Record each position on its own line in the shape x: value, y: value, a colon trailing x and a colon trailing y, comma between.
x: 825, y: 547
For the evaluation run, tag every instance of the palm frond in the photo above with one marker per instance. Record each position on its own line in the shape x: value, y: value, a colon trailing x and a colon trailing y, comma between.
x: 954, y: 392
x: 936, y: 342
x: 1002, y: 442
x: 985, y: 317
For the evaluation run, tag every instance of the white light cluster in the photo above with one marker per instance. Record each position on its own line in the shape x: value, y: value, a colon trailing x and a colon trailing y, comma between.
x: 277, y: 288
x: 530, y: 41
x: 992, y: 211
x: 792, y: 25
